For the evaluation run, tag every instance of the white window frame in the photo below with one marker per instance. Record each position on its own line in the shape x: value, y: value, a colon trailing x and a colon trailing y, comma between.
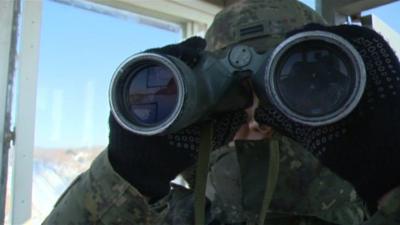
x: 28, y: 61
x: 8, y: 16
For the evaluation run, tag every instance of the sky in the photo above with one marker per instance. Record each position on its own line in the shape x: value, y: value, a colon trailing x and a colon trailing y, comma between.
x: 389, y: 13
x: 79, y: 52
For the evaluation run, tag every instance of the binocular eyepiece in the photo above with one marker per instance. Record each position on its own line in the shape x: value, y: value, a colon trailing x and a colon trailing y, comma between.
x: 314, y: 78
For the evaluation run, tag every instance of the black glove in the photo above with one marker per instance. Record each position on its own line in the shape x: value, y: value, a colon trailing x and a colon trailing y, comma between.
x: 149, y: 163
x: 364, y: 147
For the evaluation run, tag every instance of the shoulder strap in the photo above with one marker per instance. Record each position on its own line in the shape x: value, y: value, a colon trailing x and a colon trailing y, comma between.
x: 201, y: 173
x: 271, y: 180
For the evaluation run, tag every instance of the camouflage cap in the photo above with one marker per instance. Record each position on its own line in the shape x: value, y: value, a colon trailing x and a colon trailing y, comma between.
x: 260, y: 23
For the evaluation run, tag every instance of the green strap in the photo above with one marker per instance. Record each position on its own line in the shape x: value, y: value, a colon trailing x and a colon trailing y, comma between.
x: 271, y: 181
x: 201, y: 173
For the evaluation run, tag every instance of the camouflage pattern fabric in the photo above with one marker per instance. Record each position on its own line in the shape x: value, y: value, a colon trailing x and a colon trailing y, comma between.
x: 307, y: 194
x: 260, y: 23
x: 100, y: 196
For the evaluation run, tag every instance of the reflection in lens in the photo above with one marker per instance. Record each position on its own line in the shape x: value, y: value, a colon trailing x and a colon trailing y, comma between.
x: 151, y: 95
x: 315, y: 78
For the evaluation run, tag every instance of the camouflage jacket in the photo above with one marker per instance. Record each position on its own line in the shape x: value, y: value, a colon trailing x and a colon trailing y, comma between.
x: 307, y: 193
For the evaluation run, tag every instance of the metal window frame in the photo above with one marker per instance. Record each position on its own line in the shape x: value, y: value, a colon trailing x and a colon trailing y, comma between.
x: 171, y: 10
x: 193, y: 16
x: 337, y: 12
x: 28, y: 62
x: 9, y: 14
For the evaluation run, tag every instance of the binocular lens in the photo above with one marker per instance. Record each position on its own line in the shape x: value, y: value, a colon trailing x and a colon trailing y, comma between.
x: 147, y: 93
x: 151, y: 95
x: 314, y: 78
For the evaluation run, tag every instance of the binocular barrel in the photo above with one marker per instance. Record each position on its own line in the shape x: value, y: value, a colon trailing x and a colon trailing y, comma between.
x: 152, y: 93
x: 314, y: 78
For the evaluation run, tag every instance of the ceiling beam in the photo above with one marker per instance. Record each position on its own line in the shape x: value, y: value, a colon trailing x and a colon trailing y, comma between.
x: 336, y: 12
x: 172, y: 10
x: 351, y: 7
x: 200, y: 5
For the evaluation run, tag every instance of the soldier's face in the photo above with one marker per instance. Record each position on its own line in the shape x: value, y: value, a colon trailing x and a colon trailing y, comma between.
x: 252, y: 130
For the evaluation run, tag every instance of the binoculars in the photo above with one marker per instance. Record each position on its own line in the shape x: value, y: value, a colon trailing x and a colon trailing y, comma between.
x: 313, y: 77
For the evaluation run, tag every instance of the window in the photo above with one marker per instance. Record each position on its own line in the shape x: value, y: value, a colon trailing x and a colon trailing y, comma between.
x: 310, y: 3
x: 80, y: 49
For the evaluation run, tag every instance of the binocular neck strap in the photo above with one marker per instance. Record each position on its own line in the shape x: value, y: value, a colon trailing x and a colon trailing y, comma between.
x: 202, y: 170
x: 201, y: 173
x: 271, y: 179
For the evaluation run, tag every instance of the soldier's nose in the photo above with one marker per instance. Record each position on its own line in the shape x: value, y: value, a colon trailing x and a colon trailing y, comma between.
x: 260, y: 129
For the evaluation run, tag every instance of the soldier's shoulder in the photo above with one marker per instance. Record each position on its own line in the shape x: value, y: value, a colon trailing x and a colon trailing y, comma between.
x: 101, y: 196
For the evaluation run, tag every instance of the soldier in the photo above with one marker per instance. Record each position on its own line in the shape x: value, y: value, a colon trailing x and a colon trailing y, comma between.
x: 129, y: 183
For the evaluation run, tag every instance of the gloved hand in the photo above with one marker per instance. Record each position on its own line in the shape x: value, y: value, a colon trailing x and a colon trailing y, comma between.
x: 149, y: 163
x: 364, y: 147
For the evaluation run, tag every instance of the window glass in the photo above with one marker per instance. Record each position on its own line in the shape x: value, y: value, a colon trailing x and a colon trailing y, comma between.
x: 389, y: 13
x: 80, y: 49
x: 310, y: 3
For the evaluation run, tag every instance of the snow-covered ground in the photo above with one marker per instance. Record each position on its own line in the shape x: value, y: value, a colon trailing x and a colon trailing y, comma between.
x: 53, y: 171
